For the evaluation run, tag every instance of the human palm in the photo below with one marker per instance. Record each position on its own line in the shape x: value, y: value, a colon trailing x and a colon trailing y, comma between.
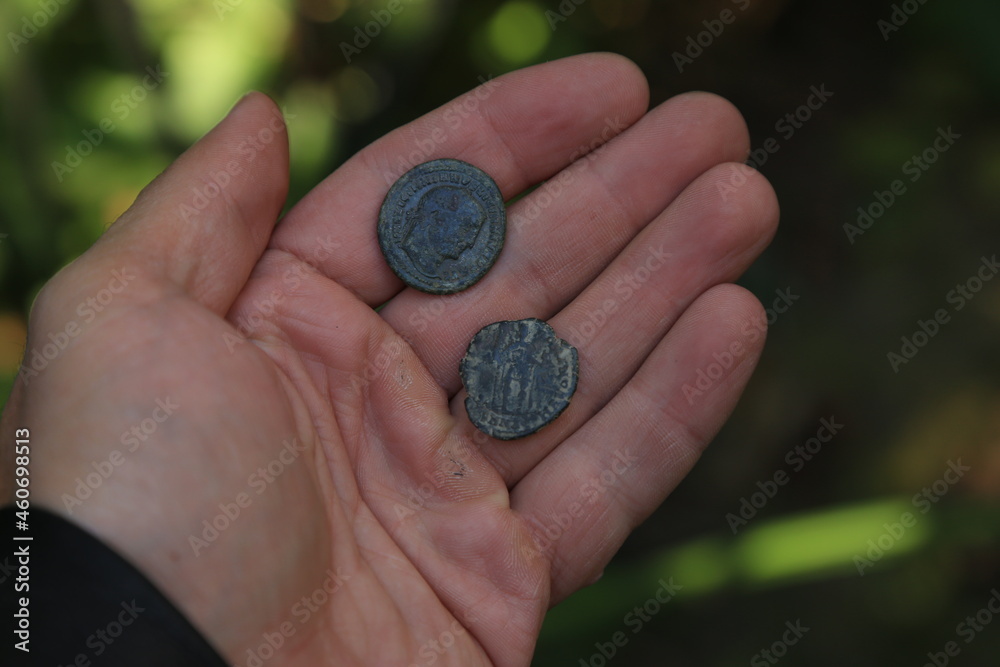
x: 316, y: 485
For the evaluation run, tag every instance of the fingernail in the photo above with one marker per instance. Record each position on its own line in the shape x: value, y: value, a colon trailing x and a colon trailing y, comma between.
x: 240, y: 102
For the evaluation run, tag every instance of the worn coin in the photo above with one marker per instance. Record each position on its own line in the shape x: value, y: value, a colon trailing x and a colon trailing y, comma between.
x: 442, y: 226
x: 519, y: 377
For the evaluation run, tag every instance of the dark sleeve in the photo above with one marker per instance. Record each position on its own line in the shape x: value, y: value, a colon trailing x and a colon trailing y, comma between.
x: 86, y: 605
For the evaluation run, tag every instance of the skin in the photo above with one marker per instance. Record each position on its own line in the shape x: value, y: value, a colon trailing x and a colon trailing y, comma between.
x: 262, y: 335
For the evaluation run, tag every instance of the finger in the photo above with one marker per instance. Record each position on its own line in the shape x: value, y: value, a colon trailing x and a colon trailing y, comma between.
x: 204, y: 222
x: 559, y: 240
x: 520, y: 128
x: 586, y: 497
x: 700, y: 241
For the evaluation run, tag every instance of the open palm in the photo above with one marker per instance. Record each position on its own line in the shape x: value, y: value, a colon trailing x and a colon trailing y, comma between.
x: 296, y: 469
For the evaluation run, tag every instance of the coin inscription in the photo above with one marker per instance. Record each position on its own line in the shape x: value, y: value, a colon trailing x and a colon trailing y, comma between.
x: 519, y: 377
x: 442, y: 226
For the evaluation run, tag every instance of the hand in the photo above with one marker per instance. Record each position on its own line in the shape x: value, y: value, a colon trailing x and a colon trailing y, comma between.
x: 279, y: 457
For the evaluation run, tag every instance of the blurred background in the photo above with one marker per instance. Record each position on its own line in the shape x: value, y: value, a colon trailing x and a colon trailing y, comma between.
x: 856, y: 490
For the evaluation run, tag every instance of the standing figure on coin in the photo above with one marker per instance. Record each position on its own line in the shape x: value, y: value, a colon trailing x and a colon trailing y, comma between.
x: 516, y: 387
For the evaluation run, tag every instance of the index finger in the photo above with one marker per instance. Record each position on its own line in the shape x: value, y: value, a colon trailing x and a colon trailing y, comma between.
x: 520, y: 128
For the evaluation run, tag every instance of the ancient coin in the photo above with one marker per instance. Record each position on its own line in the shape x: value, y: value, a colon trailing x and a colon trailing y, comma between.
x: 442, y: 226
x: 519, y: 377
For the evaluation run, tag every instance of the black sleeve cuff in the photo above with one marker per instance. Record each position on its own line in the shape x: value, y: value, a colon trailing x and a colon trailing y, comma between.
x: 87, y: 606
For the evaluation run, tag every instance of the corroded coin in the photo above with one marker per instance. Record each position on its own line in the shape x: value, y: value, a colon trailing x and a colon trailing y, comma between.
x: 519, y: 377
x: 442, y: 226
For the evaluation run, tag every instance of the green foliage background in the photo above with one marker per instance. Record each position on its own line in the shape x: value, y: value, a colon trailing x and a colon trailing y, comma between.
x: 826, y: 356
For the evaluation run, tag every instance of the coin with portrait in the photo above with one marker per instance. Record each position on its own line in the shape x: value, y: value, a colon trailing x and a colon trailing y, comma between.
x: 442, y: 226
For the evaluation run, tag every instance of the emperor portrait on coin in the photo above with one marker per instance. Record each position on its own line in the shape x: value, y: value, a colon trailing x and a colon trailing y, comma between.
x: 442, y: 226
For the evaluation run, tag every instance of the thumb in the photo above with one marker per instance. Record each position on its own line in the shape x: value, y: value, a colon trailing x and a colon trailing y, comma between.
x: 204, y: 222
